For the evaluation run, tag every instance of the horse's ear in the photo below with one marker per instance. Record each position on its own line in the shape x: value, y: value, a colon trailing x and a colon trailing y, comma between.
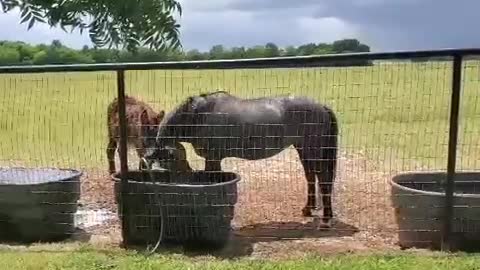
x: 144, y: 117
x: 193, y: 103
x: 161, y: 114
x: 159, y: 117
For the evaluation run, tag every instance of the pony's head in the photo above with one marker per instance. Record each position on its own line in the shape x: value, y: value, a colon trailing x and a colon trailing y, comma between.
x: 178, y: 123
x: 149, y: 122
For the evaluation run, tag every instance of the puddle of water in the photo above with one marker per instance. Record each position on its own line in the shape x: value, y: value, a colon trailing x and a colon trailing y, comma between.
x: 89, y: 218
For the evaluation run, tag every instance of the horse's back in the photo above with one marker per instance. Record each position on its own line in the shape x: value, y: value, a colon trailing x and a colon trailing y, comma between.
x: 260, y: 127
x: 133, y: 108
x: 267, y: 110
x: 251, y: 111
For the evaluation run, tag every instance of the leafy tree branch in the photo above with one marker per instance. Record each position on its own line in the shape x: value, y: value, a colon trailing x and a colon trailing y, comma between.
x: 129, y: 24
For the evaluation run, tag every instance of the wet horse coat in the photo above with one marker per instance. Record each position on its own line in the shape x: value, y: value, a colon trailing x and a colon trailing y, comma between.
x: 220, y: 125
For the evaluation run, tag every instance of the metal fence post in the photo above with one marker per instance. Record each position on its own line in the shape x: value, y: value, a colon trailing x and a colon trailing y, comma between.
x: 123, y: 152
x: 452, y: 150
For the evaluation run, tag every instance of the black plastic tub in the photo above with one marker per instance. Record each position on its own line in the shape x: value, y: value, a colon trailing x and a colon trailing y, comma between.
x: 197, y: 208
x: 38, y: 204
x: 419, y: 200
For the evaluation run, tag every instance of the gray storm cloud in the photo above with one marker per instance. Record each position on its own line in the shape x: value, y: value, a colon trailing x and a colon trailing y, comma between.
x: 383, y: 24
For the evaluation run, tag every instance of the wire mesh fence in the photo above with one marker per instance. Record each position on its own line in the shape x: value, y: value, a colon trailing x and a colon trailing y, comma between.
x: 392, y: 116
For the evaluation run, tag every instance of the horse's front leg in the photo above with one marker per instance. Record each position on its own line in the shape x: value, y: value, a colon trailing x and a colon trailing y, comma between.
x: 142, y: 164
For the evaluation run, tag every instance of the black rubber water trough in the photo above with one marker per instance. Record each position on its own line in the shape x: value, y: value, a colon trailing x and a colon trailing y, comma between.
x: 419, y: 200
x: 38, y: 204
x: 194, y: 209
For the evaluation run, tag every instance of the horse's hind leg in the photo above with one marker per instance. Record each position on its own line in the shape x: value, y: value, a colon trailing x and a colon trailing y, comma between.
x: 326, y: 176
x: 111, y: 147
x: 326, y: 170
x: 309, y: 168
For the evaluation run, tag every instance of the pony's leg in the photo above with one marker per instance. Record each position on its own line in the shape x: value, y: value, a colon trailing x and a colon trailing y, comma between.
x: 325, y: 158
x: 326, y: 170
x: 326, y: 177
x: 111, y: 147
x: 310, y: 177
x: 141, y: 153
x: 213, y: 161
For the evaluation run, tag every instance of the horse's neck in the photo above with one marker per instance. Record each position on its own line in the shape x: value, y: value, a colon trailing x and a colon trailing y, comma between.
x: 175, y: 126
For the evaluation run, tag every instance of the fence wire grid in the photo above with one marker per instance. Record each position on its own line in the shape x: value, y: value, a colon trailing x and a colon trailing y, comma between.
x: 393, y: 119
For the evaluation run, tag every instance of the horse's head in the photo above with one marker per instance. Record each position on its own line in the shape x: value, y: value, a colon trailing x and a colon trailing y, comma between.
x: 149, y: 123
x: 172, y: 158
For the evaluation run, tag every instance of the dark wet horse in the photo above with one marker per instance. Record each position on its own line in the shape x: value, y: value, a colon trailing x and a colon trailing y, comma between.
x: 220, y: 125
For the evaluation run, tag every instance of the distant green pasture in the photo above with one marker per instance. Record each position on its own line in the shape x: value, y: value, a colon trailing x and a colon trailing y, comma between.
x: 398, y: 110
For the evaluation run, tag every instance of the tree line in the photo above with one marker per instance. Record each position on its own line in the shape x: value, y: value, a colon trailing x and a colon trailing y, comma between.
x: 21, y: 53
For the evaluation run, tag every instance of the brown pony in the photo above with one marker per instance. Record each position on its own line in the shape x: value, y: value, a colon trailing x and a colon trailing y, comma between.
x: 142, y: 125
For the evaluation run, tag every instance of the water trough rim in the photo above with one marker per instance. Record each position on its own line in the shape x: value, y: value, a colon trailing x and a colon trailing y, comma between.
x: 116, y: 178
x: 431, y: 193
x: 75, y: 174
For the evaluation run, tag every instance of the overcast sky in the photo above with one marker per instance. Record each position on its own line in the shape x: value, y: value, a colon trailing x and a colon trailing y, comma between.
x: 382, y: 24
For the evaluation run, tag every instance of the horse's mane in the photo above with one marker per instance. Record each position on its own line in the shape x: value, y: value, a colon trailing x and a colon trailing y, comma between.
x: 203, y: 95
x: 187, y: 101
x: 209, y: 94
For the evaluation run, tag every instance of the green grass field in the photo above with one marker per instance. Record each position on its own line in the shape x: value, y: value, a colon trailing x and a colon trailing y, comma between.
x: 88, y: 259
x: 397, y: 109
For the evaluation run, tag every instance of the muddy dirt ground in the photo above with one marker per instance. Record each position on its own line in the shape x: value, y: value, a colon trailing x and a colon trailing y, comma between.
x: 272, y: 192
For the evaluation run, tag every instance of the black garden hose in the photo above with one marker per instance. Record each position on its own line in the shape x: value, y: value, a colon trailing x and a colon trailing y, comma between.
x: 157, y: 199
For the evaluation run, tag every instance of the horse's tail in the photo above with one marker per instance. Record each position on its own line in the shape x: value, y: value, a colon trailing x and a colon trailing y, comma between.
x: 331, y: 145
x: 111, y: 109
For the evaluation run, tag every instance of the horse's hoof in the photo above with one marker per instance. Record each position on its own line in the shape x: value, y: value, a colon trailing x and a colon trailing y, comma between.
x: 325, y: 223
x: 307, y: 212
